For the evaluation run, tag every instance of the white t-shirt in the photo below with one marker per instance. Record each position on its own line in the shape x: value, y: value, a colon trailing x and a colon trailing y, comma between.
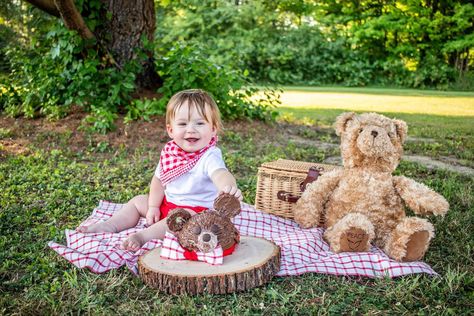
x: 195, y: 187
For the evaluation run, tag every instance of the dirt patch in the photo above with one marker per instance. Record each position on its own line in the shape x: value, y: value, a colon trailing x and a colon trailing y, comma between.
x: 420, y: 140
x: 311, y: 142
x: 428, y: 162
x: 334, y: 160
x: 438, y: 164
x: 12, y: 147
x: 447, y: 163
x: 21, y: 133
x: 69, y: 132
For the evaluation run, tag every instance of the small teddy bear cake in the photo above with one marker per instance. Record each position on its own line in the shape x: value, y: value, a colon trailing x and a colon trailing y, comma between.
x: 205, y: 230
x: 364, y: 203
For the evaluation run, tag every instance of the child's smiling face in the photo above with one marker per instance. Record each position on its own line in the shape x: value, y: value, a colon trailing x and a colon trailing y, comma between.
x: 189, y: 129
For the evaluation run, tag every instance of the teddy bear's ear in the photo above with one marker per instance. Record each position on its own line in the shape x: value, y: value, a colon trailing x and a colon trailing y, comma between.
x: 402, y: 129
x: 227, y: 205
x: 341, y: 122
x: 177, y: 218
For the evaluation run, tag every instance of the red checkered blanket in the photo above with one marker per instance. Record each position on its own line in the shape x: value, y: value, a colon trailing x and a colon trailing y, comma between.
x: 302, y: 250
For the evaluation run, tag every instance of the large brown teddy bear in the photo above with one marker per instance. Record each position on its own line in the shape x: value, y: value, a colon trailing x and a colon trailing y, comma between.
x: 363, y: 203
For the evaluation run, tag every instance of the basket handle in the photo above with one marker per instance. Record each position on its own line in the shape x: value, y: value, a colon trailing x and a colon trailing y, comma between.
x: 287, y: 196
x: 313, y: 174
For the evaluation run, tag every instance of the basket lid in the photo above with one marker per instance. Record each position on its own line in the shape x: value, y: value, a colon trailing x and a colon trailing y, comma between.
x: 295, y: 166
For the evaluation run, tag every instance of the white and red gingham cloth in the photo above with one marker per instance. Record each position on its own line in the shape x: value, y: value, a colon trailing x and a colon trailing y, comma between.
x: 171, y: 249
x: 302, y: 250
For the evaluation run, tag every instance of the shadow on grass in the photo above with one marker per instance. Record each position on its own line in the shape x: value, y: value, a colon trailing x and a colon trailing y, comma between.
x: 381, y: 91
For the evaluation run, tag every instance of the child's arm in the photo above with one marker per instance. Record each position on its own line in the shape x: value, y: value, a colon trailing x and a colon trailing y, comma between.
x: 157, y: 192
x: 225, y: 182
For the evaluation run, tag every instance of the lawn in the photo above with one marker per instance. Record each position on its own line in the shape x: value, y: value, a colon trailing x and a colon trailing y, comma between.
x: 398, y: 101
x: 52, y: 176
x: 444, y: 119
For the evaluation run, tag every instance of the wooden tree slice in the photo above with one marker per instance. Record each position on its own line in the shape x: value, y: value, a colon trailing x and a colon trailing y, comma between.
x: 254, y: 262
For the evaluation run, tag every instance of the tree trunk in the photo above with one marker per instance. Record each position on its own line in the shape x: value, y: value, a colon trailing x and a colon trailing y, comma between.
x: 129, y: 24
x: 125, y: 25
x: 72, y: 18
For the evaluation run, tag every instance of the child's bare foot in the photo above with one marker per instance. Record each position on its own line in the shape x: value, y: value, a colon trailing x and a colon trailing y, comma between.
x: 102, y: 227
x: 133, y: 243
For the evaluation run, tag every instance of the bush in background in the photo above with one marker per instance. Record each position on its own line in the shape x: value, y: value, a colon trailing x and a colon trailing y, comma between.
x: 188, y: 66
x: 53, y: 69
x: 406, y: 44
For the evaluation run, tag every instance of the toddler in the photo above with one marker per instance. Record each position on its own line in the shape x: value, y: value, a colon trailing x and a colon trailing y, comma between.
x: 190, y: 173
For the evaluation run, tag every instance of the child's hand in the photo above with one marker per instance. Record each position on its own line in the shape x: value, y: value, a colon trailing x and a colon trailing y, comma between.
x: 233, y: 190
x: 152, y: 215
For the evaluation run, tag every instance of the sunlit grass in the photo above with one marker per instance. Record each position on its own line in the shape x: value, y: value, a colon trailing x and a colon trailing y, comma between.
x: 447, y: 118
x: 421, y: 125
x: 380, y: 100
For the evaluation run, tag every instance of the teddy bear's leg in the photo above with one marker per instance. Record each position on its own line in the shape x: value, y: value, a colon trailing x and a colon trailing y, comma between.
x: 410, y: 239
x: 353, y: 232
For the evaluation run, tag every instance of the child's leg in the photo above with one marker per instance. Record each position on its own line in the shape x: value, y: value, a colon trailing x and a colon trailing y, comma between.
x: 135, y: 241
x: 155, y: 231
x: 127, y: 217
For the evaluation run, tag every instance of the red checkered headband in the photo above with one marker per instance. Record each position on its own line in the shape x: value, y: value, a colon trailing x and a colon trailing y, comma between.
x: 174, y: 161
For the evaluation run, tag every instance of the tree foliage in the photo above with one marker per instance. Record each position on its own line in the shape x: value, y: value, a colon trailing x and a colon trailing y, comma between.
x: 411, y: 43
x: 225, y: 46
x: 52, y: 68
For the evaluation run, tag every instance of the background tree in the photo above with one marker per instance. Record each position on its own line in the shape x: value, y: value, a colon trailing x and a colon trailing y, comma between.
x: 117, y: 28
x: 102, y: 56
x: 101, y: 52
x: 410, y: 43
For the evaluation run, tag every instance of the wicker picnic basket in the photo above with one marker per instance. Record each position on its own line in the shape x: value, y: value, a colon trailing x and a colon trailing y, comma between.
x: 281, y: 182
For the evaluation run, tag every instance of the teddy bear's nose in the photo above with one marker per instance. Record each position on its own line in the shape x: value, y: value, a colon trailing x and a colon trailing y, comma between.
x: 206, y: 237
x: 374, y: 133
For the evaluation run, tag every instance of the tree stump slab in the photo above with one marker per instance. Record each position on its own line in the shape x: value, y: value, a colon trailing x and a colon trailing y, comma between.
x: 254, y: 262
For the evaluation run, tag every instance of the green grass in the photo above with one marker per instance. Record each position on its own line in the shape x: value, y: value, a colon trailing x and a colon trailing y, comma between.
x: 445, y: 119
x: 44, y: 192
x: 419, y: 102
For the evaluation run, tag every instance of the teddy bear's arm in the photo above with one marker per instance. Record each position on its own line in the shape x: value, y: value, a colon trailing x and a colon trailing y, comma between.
x: 420, y: 198
x: 310, y: 206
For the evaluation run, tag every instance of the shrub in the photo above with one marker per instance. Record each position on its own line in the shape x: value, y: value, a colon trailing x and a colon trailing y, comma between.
x: 48, y: 78
x: 433, y: 73
x: 188, y: 66
x: 61, y: 70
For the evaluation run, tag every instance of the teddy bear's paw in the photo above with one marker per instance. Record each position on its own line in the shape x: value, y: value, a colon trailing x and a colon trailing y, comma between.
x: 354, y: 240
x: 416, y: 246
x: 353, y: 232
x: 410, y: 239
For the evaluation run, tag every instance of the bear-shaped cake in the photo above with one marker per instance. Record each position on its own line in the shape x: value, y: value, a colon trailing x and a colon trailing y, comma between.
x: 205, y: 230
x: 363, y: 203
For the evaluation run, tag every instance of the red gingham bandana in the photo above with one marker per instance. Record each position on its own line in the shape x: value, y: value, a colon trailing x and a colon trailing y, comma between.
x: 171, y: 249
x: 174, y: 161
x: 302, y: 250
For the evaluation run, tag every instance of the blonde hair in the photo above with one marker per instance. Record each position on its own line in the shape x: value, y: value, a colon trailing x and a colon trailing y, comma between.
x: 201, y: 100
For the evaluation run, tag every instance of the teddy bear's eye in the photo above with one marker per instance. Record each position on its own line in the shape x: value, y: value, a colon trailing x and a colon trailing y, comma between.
x: 197, y: 230
x: 360, y: 130
x: 215, y: 229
